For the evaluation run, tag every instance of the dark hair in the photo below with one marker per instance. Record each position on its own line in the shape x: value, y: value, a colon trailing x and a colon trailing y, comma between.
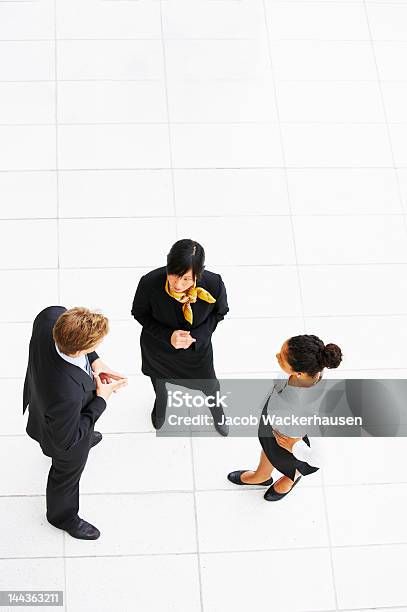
x: 307, y: 353
x: 186, y: 254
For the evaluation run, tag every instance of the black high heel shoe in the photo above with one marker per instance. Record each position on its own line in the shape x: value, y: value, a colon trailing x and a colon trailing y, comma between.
x: 272, y: 495
x: 235, y: 478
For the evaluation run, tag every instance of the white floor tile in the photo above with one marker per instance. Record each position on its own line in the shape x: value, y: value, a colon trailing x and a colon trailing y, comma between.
x: 33, y: 574
x: 267, y: 240
x: 95, y: 147
x: 27, y: 20
x: 27, y: 147
x: 374, y: 248
x: 323, y: 60
x: 39, y: 239
x: 28, y: 194
x: 117, y: 465
x: 149, y: 583
x: 359, y: 576
x: 402, y: 175
x: 115, y: 193
x: 220, y: 101
x: 110, y: 59
x: 126, y: 242
x: 28, y: 472
x: 108, y: 19
x: 14, y: 283
x: 226, y: 146
x: 27, y: 103
x: 324, y: 102
x: 354, y: 290
x: 313, y: 584
x: 390, y: 56
x: 217, y: 59
x: 225, y: 520
x: 386, y: 20
x: 27, y: 60
x: 89, y: 287
x: 120, y: 349
x: 266, y: 302
x: 316, y: 191
x: 362, y: 461
x: 395, y: 99
x: 317, y: 20
x: 340, y: 145
x: 252, y: 355
x: 111, y: 102
x: 12, y: 420
x: 230, y: 192
x: 365, y: 520
x: 16, y: 336
x: 131, y: 410
x: 398, y: 134
x: 148, y: 524
x: 222, y: 19
x: 363, y: 340
x: 25, y: 531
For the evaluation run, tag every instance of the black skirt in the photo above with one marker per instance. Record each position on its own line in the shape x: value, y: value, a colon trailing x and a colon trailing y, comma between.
x: 284, y: 461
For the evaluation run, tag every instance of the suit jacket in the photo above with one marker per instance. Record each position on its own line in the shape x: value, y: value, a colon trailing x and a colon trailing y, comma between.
x: 160, y: 314
x: 61, y: 397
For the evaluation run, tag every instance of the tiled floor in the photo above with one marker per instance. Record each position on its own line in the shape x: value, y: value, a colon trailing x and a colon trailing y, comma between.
x: 275, y: 134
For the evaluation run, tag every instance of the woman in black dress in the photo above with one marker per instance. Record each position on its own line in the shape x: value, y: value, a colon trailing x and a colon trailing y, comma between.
x: 303, y: 358
x: 179, y: 307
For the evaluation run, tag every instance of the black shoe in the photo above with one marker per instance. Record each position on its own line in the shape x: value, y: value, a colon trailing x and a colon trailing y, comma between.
x: 97, y: 437
x: 218, y: 418
x: 235, y: 477
x: 272, y: 495
x: 157, y: 422
x: 84, y: 531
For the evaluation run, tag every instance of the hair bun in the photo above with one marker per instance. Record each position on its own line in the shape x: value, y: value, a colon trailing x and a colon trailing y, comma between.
x: 331, y: 356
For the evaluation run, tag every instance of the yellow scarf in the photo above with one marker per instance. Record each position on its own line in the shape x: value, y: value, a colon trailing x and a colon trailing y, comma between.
x: 189, y: 297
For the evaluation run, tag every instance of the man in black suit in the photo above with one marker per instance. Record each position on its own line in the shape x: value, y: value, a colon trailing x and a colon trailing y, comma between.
x: 66, y: 389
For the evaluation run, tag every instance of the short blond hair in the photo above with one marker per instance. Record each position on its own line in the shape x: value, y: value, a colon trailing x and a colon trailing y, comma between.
x: 79, y: 329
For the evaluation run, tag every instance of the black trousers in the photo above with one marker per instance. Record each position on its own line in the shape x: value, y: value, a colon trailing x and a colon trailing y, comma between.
x: 63, y: 490
x: 208, y: 387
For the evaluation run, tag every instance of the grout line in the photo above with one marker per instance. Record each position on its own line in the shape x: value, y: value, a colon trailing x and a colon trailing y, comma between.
x: 214, y: 552
x: 204, y: 39
x: 206, y: 168
x: 167, y: 106
x: 13, y: 124
x: 388, y: 123
x: 328, y: 530
x: 58, y: 235
x: 211, y: 79
x: 223, y: 266
x: 248, y: 375
x: 225, y: 216
x: 215, y: 490
x: 198, y: 552
x: 260, y: 317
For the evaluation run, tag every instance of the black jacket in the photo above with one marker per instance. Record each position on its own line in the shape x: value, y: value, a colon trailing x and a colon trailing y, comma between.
x: 160, y: 314
x: 63, y: 406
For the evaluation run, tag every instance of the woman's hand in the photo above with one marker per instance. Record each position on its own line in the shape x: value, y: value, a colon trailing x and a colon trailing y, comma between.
x: 181, y: 339
x: 285, y: 441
